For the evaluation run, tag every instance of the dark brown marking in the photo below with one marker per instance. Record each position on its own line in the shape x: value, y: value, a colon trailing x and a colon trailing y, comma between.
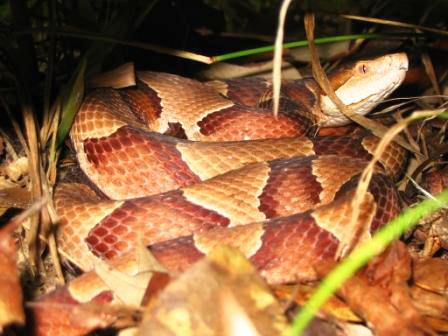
x: 291, y: 188
x: 244, y: 123
x: 143, y: 101
x: 340, y: 145
x: 385, y: 195
x: 152, y: 219
x: 177, y: 254
x: 157, y: 283
x: 299, y: 91
x: 387, y: 200
x: 339, y: 76
x: 295, y: 98
x: 291, y: 246
x: 246, y: 91
x: 157, y: 164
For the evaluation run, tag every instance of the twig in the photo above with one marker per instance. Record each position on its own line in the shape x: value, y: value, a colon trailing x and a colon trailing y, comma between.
x: 277, y: 66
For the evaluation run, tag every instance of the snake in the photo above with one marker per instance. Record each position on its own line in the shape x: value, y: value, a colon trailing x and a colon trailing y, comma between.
x: 183, y: 166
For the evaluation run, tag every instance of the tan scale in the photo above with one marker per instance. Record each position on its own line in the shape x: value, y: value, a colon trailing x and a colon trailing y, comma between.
x: 246, y: 238
x: 218, y: 86
x: 83, y: 128
x: 234, y: 195
x: 392, y: 158
x: 100, y: 116
x: 211, y: 159
x: 333, y: 171
x: 187, y: 105
x: 79, y: 211
x: 105, y: 123
x: 336, y: 217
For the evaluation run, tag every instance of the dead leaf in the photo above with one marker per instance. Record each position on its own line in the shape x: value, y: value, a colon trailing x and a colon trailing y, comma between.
x: 15, y: 197
x: 380, y: 294
x: 221, y: 294
x: 438, y: 324
x: 130, y: 289
x: 321, y: 327
x: 353, y: 329
x: 431, y: 274
x: 128, y: 332
x: 58, y: 314
x: 334, y: 307
x: 431, y: 305
x: 92, y: 300
x: 11, y: 307
x: 157, y: 283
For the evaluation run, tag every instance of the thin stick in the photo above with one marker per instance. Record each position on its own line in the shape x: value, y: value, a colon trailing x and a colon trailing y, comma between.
x: 395, y: 23
x: 277, y: 66
x: 141, y: 45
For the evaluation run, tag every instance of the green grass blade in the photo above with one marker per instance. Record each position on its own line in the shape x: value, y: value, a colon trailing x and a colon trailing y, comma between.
x: 359, y: 257
x: 72, y: 99
x: 303, y: 43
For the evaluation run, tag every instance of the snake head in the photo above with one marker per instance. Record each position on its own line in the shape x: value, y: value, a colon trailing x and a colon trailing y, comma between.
x: 362, y: 85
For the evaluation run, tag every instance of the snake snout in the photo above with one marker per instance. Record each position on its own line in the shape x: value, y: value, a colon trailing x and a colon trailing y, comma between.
x: 399, y: 60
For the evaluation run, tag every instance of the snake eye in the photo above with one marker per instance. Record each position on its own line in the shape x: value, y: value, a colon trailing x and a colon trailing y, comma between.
x: 363, y: 69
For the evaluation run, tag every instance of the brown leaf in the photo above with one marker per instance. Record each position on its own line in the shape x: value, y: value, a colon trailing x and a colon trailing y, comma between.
x: 381, y: 295
x: 432, y: 274
x: 92, y: 300
x: 15, y: 197
x: 438, y: 324
x: 131, y: 289
x: 157, y: 283
x: 11, y: 308
x: 430, y: 304
x: 301, y: 293
x: 220, y: 295
x: 57, y: 314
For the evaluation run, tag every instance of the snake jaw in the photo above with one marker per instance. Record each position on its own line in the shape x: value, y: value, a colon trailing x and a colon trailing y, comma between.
x: 363, y: 85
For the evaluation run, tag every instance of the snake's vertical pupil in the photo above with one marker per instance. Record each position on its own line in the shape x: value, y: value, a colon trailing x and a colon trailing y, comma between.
x: 363, y: 69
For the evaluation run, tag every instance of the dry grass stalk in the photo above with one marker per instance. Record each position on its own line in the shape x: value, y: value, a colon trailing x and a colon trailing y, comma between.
x: 277, y: 66
x: 34, y: 152
x: 395, y: 23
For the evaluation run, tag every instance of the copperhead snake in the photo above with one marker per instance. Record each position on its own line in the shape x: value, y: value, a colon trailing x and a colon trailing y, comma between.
x: 241, y: 177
